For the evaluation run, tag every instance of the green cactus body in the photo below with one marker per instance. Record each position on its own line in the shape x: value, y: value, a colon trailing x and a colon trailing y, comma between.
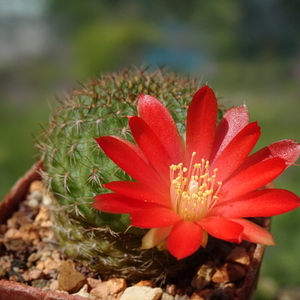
x: 76, y: 168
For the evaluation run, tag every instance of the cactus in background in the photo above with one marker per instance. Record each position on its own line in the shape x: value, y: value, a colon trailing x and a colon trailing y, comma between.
x: 75, y: 169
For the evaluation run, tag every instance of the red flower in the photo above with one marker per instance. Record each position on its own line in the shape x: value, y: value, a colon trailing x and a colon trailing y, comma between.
x: 203, y: 183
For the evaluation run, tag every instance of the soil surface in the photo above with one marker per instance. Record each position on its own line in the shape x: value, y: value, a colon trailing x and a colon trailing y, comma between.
x: 30, y: 254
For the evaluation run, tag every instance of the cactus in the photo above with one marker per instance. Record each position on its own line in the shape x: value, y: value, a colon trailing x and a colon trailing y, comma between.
x: 75, y: 169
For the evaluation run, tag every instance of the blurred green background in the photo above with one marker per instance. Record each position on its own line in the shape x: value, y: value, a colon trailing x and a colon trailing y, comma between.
x: 248, y: 51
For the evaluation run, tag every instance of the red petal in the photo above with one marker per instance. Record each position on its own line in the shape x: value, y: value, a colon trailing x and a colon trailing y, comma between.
x: 254, y: 233
x: 289, y: 150
x: 286, y: 149
x: 263, y: 203
x: 252, y: 178
x: 138, y: 191
x: 236, y: 151
x: 234, y: 120
x: 201, y: 124
x: 184, y: 239
x: 130, y: 158
x: 151, y: 146
x: 152, y: 218
x: 157, y: 116
x: 120, y: 204
x: 222, y: 228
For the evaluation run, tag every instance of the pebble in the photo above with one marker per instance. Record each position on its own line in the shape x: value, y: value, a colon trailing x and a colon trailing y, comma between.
x: 2, y: 272
x: 43, y: 217
x: 51, y: 264
x: 92, y: 282
x: 33, y: 203
x: 12, y: 234
x: 55, y: 255
x: 181, y: 297
x: 142, y: 292
x: 229, y: 290
x: 30, y: 234
x: 171, y: 289
x: 69, y: 279
x: 167, y: 296
x: 46, y: 254
x: 25, y: 276
x: 13, y: 240
x: 201, y: 295
x: 53, y: 285
x: 203, y: 276
x: 13, y: 278
x: 84, y: 292
x: 40, y: 265
x: 12, y: 223
x: 36, y: 185
x: 35, y: 199
x: 18, y: 219
x: 229, y: 272
x: 39, y: 283
x: 6, y: 263
x: 33, y: 257
x: 111, y: 289
x: 35, y: 274
x: 239, y: 255
x: 148, y: 283
x: 47, y: 199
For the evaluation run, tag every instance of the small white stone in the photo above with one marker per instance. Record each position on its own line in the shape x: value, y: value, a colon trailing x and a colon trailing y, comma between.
x: 84, y: 292
x: 33, y: 203
x: 141, y: 292
x: 167, y: 296
x: 38, y: 195
x: 47, y: 199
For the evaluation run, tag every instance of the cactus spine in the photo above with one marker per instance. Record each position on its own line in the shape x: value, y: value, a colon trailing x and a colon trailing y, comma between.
x: 76, y: 168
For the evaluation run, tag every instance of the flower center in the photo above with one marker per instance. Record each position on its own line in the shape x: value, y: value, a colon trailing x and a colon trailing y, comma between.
x: 193, y: 190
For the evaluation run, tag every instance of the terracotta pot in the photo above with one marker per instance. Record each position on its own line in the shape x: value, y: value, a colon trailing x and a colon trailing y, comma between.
x: 15, y: 291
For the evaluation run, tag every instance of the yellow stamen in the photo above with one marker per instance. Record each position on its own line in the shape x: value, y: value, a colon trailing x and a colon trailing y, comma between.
x: 193, y: 190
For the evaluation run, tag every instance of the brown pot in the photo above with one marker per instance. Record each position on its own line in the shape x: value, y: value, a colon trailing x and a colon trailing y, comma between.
x: 15, y: 291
